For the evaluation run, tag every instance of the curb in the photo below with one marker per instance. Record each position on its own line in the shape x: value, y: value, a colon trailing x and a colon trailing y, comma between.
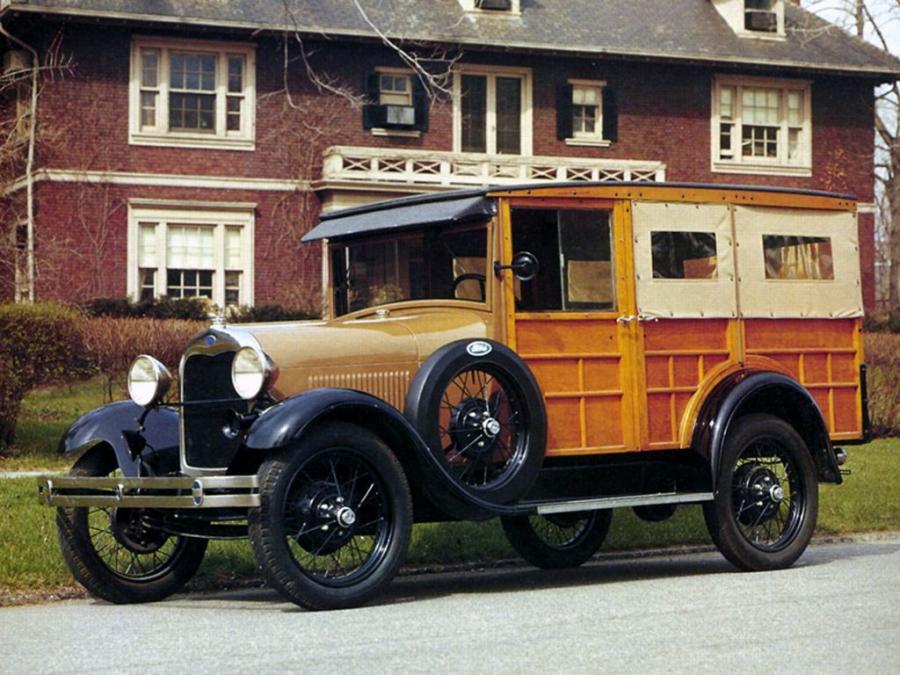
x: 77, y: 593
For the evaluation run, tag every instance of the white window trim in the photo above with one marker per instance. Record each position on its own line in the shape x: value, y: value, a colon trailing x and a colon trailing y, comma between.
x: 218, y: 214
x: 596, y: 139
x: 243, y: 140
x: 494, y: 72
x: 757, y: 165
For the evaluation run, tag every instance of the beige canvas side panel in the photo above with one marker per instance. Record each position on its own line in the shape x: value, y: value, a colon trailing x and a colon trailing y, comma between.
x: 685, y: 298
x: 837, y: 297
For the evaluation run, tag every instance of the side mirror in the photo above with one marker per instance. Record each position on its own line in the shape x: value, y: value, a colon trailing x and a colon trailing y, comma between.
x: 524, y: 265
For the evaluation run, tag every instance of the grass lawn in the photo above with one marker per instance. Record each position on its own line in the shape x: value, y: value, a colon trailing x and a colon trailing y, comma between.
x: 30, y: 558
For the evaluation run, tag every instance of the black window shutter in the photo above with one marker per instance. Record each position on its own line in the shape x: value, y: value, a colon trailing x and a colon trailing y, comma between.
x: 420, y: 104
x: 564, y: 111
x: 610, y: 115
x: 374, y: 115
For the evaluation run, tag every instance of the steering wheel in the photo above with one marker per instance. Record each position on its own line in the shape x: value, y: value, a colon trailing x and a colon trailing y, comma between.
x: 468, y: 276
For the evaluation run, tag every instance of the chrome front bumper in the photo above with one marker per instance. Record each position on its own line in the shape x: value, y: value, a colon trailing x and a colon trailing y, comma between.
x: 180, y: 492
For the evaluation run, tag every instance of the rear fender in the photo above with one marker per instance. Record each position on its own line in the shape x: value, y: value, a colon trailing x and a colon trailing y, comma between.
x: 745, y: 393
x: 116, y: 425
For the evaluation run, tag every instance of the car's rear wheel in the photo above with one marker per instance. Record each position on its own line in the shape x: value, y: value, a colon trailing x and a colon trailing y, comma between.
x: 559, y: 540
x: 335, y: 518
x: 116, y: 553
x: 766, y: 498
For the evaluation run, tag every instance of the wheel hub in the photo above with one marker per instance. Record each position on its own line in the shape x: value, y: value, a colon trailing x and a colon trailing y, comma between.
x: 129, y: 530
x: 758, y: 494
x: 324, y: 522
x: 474, y: 428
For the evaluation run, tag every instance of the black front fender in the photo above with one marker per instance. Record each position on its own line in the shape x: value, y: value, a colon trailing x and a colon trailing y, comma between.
x: 286, y: 422
x: 116, y: 425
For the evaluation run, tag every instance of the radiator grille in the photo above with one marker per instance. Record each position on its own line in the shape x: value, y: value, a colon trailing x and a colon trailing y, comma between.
x: 390, y: 386
x: 208, y: 378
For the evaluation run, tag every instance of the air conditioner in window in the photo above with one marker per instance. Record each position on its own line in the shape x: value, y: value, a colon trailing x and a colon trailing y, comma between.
x: 15, y: 60
x: 400, y: 115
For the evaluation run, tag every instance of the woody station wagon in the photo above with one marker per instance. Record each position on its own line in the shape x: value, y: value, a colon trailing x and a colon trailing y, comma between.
x: 541, y: 354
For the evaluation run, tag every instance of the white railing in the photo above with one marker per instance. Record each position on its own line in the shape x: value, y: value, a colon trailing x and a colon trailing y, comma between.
x: 423, y: 167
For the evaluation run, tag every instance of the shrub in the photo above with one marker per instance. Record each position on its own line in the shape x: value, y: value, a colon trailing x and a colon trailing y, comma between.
x: 39, y: 345
x: 883, y: 360
x: 113, y: 343
x: 187, y: 309
x: 262, y: 313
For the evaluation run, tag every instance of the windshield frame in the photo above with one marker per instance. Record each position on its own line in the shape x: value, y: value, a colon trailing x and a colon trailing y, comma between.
x: 331, y: 271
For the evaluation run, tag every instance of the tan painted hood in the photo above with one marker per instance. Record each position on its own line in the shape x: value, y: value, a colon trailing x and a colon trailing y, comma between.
x: 378, y: 354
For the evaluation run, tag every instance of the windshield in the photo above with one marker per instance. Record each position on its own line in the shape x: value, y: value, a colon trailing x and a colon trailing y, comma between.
x: 442, y: 264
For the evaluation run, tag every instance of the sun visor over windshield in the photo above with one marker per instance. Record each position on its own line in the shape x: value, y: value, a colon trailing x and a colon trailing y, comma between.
x: 431, y: 213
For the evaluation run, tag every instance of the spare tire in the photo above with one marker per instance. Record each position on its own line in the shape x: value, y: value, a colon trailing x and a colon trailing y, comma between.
x: 480, y: 411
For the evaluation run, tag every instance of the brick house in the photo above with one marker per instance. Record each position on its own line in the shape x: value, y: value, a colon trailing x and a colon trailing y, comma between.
x: 189, y: 145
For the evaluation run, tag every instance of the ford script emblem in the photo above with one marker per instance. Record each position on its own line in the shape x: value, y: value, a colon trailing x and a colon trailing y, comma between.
x: 478, y: 348
x: 210, y: 340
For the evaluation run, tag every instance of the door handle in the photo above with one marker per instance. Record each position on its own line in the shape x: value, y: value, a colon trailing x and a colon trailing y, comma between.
x: 643, y: 318
x: 623, y: 320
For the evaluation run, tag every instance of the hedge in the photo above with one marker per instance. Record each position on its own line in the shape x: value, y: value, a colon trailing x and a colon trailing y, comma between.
x: 39, y: 345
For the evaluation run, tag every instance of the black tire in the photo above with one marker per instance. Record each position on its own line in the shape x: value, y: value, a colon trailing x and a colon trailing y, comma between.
x: 334, y: 520
x: 481, y: 413
x: 560, y: 540
x: 114, y: 555
x: 767, y: 495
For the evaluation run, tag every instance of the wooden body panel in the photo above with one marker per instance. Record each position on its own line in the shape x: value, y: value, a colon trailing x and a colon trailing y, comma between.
x: 824, y: 356
x: 679, y: 356
x: 582, y: 367
x: 620, y: 382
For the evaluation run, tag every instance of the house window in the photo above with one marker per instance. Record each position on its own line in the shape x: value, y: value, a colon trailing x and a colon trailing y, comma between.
x: 585, y: 113
x: 399, y: 104
x: 492, y: 111
x: 192, y: 253
x: 761, y: 16
x: 192, y: 93
x: 761, y: 126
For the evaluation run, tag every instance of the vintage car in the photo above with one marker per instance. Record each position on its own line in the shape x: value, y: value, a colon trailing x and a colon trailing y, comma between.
x: 544, y: 354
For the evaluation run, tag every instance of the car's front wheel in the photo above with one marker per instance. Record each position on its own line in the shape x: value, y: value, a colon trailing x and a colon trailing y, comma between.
x: 766, y: 498
x: 116, y: 553
x: 335, y: 518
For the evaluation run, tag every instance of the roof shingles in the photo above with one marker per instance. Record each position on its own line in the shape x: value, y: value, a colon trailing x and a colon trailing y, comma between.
x: 689, y: 30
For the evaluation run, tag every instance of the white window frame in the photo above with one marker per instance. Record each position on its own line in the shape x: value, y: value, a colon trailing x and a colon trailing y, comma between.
x: 219, y: 215
x: 221, y: 138
x: 400, y: 133
x: 492, y: 73
x: 595, y: 139
x: 776, y: 166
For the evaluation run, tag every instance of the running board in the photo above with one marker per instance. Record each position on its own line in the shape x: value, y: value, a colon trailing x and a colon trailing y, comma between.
x: 544, y: 508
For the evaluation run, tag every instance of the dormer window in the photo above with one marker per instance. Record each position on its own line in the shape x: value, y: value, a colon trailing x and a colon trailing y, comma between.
x: 761, y: 16
x: 761, y: 19
x: 492, y: 7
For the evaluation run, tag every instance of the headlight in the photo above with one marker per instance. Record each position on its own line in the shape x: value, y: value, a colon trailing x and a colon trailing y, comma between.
x: 148, y: 380
x: 250, y: 372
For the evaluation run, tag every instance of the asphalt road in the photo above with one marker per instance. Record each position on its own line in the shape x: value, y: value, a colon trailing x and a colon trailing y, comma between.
x: 837, y: 610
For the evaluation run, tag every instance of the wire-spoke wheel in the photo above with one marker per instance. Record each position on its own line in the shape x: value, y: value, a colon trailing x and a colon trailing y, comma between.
x: 559, y: 540
x: 766, y: 499
x: 481, y: 424
x: 335, y: 518
x: 116, y: 553
x: 480, y: 411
